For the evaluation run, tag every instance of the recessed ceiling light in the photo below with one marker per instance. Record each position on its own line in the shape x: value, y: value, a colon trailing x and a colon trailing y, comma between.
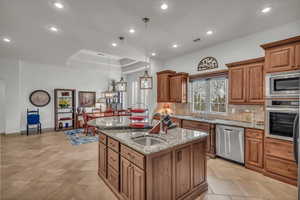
x: 175, y: 45
x: 131, y: 30
x: 114, y: 44
x: 58, y: 5
x: 266, y: 10
x: 153, y: 54
x: 164, y: 6
x: 210, y: 32
x: 53, y: 29
x: 6, y: 39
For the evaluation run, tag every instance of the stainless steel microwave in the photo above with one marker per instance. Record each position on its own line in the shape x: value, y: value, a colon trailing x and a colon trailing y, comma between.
x: 283, y: 84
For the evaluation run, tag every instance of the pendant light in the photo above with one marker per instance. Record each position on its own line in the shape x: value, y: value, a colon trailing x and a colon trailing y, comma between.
x: 122, y: 85
x: 146, y: 80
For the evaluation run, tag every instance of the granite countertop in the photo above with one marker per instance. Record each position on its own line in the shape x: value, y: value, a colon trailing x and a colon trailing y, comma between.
x: 221, y: 121
x: 107, y: 123
x: 175, y: 136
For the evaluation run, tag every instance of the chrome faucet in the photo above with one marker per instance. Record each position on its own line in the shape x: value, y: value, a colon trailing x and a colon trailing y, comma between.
x: 161, y: 118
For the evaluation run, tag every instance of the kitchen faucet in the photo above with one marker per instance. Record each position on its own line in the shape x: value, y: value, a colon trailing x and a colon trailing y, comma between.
x: 161, y: 119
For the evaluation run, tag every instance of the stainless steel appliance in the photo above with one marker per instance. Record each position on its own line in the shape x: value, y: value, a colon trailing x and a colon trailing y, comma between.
x: 230, y: 143
x: 281, y: 118
x: 283, y: 84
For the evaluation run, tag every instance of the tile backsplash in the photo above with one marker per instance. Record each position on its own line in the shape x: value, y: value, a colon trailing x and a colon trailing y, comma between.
x: 244, y: 113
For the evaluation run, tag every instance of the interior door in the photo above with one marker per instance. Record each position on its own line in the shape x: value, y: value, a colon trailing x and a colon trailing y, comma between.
x: 2, y: 107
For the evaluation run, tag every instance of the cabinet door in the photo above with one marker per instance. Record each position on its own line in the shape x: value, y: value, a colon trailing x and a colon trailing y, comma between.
x: 125, y: 171
x: 280, y: 58
x: 102, y: 165
x: 175, y: 89
x: 237, y: 83
x: 254, y: 152
x: 199, y: 164
x: 297, y: 55
x: 163, y: 88
x: 255, y: 84
x: 182, y: 171
x: 138, y: 183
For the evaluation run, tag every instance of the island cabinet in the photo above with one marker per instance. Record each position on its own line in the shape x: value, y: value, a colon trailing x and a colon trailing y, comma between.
x: 177, y: 173
x: 279, y: 160
x: 163, y: 85
x: 178, y: 87
x: 283, y: 55
x: 246, y: 81
x: 254, y: 151
x: 206, y: 127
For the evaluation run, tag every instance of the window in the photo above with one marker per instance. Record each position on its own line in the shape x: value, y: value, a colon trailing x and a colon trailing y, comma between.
x: 209, y: 95
x: 139, y: 96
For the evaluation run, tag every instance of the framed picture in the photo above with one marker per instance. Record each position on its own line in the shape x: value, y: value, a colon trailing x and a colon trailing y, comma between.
x: 87, y: 99
x: 39, y: 98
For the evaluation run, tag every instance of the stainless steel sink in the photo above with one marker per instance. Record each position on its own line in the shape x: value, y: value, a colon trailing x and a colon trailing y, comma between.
x: 148, y: 140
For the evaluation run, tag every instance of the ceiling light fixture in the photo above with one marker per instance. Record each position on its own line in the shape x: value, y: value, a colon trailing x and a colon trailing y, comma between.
x: 164, y: 6
x: 175, y: 45
x: 131, y: 30
x: 210, y: 32
x: 153, y: 54
x: 114, y: 44
x: 266, y: 10
x: 53, y: 29
x: 6, y: 39
x: 58, y: 5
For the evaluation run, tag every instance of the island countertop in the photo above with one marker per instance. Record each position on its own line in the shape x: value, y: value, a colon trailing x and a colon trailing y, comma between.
x: 117, y: 128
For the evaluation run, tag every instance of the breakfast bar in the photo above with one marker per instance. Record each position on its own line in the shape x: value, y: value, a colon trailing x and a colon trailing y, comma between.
x: 137, y: 165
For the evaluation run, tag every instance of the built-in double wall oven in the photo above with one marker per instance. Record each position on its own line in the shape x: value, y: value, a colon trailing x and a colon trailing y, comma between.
x: 282, y: 104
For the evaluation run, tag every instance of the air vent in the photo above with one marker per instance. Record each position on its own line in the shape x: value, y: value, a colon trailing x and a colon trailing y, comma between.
x: 197, y: 40
x: 100, y: 54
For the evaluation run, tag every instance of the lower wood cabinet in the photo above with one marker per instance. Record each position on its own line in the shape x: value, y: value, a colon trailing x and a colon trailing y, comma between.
x: 113, y: 177
x: 132, y: 181
x: 102, y: 160
x: 254, y: 151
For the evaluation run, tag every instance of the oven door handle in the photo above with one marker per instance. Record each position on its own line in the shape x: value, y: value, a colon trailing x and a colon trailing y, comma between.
x: 295, y: 137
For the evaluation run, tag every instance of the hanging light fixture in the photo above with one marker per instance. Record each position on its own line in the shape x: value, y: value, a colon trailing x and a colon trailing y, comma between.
x: 146, y: 80
x: 108, y: 94
x: 122, y: 85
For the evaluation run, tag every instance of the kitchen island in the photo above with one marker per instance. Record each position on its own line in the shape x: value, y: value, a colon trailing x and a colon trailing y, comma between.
x: 137, y: 165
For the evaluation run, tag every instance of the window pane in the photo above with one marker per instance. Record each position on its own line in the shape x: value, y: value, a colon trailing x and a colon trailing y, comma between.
x: 218, y: 90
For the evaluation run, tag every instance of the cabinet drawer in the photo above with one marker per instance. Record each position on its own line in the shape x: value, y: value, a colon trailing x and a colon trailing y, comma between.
x: 279, y: 148
x: 113, y: 144
x: 254, y: 133
x: 281, y: 167
x: 113, y: 159
x: 133, y: 156
x: 102, y: 138
x: 113, y: 178
x: 194, y: 125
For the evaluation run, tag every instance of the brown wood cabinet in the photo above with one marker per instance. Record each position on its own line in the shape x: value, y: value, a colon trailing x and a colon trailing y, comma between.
x: 254, y: 152
x: 202, y: 126
x: 246, y: 81
x: 178, y: 87
x: 279, y: 160
x: 163, y: 85
x: 177, y: 173
x: 102, y: 159
x: 282, y: 55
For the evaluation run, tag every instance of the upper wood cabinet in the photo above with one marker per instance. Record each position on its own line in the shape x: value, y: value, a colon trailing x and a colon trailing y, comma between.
x: 178, y: 88
x: 163, y: 85
x: 246, y: 82
x: 282, y: 55
x: 171, y: 86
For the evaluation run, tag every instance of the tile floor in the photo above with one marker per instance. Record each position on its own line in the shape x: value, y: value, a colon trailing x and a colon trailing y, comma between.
x: 47, y: 167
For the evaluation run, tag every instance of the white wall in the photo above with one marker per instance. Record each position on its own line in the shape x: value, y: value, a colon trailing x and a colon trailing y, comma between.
x: 231, y: 51
x: 21, y: 78
x: 2, y: 106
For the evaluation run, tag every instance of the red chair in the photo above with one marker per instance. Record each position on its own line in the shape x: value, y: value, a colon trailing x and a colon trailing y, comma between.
x: 87, y: 127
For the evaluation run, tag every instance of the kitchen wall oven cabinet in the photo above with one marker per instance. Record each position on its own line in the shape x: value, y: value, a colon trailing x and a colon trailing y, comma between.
x: 283, y: 55
x: 246, y: 81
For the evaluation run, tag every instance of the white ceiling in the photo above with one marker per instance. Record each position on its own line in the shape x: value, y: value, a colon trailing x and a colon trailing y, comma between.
x: 95, y: 24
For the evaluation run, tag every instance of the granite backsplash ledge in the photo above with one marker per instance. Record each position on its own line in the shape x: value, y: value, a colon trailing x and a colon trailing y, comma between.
x: 243, y: 113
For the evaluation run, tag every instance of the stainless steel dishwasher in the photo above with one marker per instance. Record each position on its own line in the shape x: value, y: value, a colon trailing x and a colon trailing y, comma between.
x: 230, y: 143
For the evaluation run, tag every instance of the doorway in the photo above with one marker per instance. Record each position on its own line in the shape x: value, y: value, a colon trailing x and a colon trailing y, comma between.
x: 2, y: 107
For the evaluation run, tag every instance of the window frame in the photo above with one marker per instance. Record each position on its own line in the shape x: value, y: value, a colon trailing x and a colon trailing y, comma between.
x: 208, y: 95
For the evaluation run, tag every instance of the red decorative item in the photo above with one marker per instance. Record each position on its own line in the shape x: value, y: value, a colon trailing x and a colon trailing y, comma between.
x: 138, y: 110
x: 138, y: 118
x: 138, y: 125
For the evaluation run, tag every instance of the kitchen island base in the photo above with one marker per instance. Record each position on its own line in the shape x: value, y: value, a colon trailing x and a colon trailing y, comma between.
x: 177, y: 173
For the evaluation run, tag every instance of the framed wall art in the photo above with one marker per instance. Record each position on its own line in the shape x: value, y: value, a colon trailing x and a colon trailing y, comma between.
x: 87, y: 99
x: 39, y: 98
